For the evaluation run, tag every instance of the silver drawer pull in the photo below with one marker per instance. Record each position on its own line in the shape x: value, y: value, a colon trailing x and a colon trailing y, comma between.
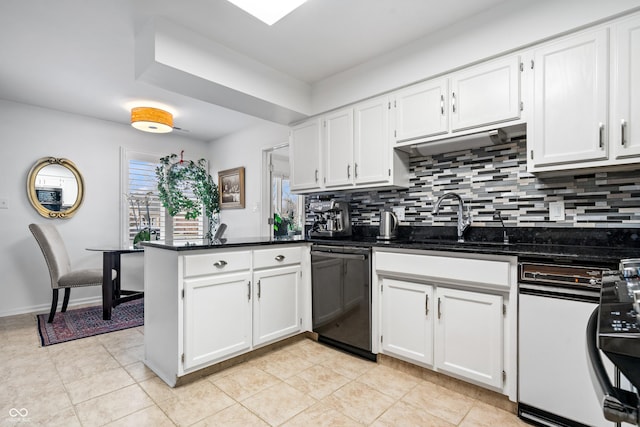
x: 220, y: 264
x: 280, y: 258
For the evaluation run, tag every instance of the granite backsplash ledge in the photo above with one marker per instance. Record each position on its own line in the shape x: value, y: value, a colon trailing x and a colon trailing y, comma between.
x: 496, y: 178
x: 600, y: 237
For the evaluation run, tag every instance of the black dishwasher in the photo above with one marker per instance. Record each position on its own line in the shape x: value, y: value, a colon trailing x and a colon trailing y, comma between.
x: 341, y: 297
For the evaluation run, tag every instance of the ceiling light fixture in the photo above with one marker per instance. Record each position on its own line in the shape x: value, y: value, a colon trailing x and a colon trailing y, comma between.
x: 150, y: 119
x: 268, y: 12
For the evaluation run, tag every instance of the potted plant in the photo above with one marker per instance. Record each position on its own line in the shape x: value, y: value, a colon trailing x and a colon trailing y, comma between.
x: 187, y: 186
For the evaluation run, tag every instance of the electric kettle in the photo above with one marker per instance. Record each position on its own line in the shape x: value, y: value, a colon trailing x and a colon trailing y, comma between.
x: 388, y: 225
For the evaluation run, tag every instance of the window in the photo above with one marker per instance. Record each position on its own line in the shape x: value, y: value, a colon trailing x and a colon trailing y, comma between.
x: 142, y: 207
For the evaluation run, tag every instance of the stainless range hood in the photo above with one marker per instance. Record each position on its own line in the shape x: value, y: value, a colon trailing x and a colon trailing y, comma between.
x: 464, y: 142
x: 458, y: 143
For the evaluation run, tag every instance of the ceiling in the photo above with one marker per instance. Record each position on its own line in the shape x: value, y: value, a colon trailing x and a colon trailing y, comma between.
x: 77, y: 56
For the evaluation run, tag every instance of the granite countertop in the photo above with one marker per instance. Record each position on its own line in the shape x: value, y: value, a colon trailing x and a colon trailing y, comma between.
x: 530, y: 251
x: 593, y: 246
x: 224, y: 243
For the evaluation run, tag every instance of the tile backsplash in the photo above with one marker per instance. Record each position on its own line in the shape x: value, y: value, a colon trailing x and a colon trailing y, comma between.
x: 496, y: 178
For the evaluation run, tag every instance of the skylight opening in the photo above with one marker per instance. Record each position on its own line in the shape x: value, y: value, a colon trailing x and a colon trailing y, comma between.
x: 268, y: 11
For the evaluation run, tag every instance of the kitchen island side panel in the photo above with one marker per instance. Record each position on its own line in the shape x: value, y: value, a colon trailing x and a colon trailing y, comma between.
x: 162, y: 313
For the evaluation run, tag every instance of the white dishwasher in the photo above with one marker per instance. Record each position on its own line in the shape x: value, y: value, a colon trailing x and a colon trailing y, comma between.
x: 555, y: 386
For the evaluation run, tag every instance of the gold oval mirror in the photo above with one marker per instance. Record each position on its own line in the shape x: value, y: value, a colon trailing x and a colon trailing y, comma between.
x: 55, y: 187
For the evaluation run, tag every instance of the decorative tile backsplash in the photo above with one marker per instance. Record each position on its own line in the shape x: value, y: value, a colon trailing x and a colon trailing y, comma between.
x: 496, y: 178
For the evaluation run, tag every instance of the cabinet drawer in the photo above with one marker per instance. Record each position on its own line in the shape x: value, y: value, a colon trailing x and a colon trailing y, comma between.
x: 481, y: 271
x: 265, y: 258
x: 217, y: 262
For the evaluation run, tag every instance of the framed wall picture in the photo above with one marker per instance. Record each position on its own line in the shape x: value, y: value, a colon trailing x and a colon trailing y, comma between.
x: 231, y: 188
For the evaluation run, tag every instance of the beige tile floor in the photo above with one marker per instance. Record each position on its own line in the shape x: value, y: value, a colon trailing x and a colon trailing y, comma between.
x: 102, y: 381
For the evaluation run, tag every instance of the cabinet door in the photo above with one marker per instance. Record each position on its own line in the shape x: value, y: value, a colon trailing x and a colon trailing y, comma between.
x: 485, y: 94
x: 421, y: 110
x: 469, y: 335
x: 217, y: 317
x: 276, y: 309
x: 338, y: 140
x: 625, y: 115
x: 570, y: 97
x: 372, y: 149
x: 305, y: 154
x: 407, y: 320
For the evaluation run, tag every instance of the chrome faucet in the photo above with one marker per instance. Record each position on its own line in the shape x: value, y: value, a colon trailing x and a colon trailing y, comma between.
x: 464, y: 221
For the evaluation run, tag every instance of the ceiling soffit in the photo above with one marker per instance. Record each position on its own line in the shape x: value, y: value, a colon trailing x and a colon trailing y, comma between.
x: 179, y: 60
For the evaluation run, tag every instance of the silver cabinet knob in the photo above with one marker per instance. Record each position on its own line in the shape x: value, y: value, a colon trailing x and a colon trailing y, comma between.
x: 220, y: 264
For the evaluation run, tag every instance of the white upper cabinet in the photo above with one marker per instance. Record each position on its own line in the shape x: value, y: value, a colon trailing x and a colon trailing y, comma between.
x: 475, y: 98
x: 570, y: 100
x: 587, y: 100
x: 372, y: 149
x: 625, y: 108
x: 485, y: 94
x: 338, y: 147
x: 421, y: 110
x: 305, y: 151
x: 356, y: 148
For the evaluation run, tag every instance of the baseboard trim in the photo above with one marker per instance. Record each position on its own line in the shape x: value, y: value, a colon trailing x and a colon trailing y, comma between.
x: 44, y: 308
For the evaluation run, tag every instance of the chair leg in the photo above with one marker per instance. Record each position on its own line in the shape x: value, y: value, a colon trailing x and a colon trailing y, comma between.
x: 65, y: 300
x: 54, y: 305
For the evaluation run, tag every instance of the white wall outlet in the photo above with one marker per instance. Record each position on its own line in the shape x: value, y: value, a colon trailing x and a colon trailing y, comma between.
x: 556, y: 211
x: 4, y: 203
x: 399, y: 211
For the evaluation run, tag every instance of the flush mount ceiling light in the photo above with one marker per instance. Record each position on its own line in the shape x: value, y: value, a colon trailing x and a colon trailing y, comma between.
x: 267, y: 11
x: 150, y: 119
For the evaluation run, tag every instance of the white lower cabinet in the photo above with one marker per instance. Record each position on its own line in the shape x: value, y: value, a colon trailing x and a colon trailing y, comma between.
x: 204, y: 306
x: 276, y: 307
x: 407, y: 320
x: 217, y: 317
x: 469, y: 337
x: 455, y: 314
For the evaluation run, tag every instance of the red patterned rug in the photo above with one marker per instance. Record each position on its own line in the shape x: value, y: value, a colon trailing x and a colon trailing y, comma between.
x: 87, y: 322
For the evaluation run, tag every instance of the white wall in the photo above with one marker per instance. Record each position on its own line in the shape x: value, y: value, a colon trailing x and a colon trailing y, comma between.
x: 507, y: 27
x: 245, y: 149
x: 29, y: 133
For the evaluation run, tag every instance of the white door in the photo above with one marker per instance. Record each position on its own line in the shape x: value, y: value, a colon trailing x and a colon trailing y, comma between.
x: 338, y: 141
x: 217, y: 317
x: 625, y: 117
x: 485, y: 94
x: 407, y: 320
x: 421, y: 110
x: 372, y: 149
x: 305, y: 154
x: 469, y: 335
x: 285, y: 213
x: 276, y: 304
x: 570, y: 100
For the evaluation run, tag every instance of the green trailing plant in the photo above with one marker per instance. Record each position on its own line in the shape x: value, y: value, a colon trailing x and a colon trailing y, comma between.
x: 178, y: 180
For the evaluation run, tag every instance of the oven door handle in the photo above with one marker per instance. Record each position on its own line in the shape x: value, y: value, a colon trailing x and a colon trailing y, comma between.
x: 360, y: 257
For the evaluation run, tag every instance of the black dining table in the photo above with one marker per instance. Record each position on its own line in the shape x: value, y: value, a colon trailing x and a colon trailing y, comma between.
x: 112, y: 293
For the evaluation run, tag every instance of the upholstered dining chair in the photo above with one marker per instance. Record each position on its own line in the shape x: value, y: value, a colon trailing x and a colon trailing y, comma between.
x: 59, y: 264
